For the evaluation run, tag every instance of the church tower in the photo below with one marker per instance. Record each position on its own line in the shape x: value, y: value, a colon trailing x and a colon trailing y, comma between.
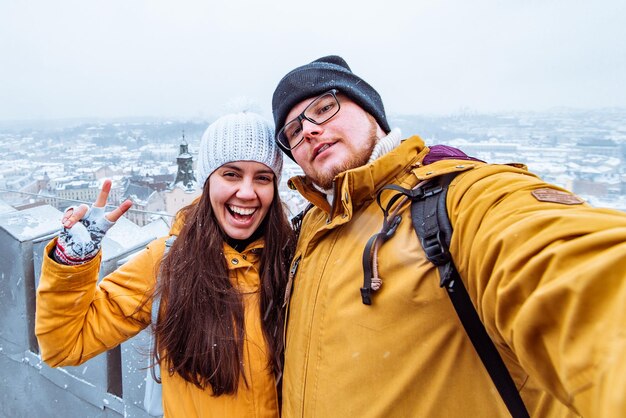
x: 185, y: 188
x: 185, y: 175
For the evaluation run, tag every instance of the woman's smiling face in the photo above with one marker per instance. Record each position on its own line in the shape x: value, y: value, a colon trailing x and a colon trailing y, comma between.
x: 241, y: 193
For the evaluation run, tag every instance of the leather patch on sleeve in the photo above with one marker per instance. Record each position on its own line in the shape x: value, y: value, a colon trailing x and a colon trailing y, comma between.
x: 556, y: 196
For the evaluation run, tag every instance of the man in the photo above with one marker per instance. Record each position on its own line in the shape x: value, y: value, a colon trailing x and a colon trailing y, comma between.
x: 546, y: 272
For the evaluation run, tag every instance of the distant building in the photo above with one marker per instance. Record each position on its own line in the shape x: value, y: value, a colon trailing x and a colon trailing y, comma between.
x: 72, y: 192
x: 185, y: 175
x: 184, y: 189
x: 18, y: 183
x: 146, y: 202
x: 291, y: 198
x: 599, y: 146
x: 46, y: 191
x: 156, y: 182
x: 86, y: 191
x: 105, y: 172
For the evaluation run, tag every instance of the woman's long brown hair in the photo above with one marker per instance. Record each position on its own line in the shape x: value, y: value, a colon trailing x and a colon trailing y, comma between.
x: 201, y: 330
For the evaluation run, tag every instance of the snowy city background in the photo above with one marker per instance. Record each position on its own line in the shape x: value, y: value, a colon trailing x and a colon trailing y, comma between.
x: 63, y: 163
x: 124, y: 90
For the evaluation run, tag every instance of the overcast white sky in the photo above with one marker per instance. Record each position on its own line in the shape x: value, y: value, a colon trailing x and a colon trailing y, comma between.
x: 187, y: 58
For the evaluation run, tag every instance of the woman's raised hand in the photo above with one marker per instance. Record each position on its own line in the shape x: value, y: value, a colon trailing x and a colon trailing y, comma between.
x: 84, y: 228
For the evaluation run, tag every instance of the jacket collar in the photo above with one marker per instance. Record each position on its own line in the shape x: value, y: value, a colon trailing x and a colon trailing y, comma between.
x: 362, y: 183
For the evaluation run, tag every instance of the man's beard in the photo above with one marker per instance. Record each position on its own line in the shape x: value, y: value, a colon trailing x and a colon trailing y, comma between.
x: 325, y: 179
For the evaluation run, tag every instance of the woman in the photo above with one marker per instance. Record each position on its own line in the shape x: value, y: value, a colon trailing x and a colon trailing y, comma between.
x: 221, y: 286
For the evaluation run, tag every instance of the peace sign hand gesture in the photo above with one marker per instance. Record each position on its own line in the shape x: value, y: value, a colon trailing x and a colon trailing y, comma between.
x: 84, y: 227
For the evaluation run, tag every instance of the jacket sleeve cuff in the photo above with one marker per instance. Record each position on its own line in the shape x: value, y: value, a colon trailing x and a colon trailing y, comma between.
x: 67, y: 275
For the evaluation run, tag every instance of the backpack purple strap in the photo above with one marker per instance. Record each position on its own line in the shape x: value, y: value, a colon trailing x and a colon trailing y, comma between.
x: 445, y: 152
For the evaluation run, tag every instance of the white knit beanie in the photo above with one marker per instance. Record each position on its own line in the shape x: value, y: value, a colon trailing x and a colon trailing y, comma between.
x: 240, y: 136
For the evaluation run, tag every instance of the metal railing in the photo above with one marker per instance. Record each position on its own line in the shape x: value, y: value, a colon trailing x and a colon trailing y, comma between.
x: 43, y: 197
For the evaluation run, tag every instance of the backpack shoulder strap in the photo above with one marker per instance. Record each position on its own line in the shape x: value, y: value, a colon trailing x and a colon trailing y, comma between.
x: 153, y: 397
x: 156, y: 301
x: 296, y: 221
x: 432, y: 225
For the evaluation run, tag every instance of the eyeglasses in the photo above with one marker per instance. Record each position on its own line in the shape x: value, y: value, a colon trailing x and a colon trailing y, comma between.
x: 319, y: 111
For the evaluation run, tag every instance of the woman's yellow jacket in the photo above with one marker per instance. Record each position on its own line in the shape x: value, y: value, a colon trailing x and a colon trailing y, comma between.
x: 77, y: 319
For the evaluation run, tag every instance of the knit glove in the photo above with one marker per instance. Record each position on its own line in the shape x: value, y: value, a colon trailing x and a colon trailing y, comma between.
x: 83, y: 240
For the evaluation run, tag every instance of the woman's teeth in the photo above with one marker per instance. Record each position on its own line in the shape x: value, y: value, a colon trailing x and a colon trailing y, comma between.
x: 241, y: 211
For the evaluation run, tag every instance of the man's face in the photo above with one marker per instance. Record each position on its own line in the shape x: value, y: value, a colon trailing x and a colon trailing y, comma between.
x: 342, y: 143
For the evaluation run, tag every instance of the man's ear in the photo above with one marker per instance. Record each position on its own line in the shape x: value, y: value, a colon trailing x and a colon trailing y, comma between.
x: 379, y: 132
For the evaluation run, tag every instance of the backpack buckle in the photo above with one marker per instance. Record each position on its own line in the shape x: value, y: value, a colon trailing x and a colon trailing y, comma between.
x: 435, y: 249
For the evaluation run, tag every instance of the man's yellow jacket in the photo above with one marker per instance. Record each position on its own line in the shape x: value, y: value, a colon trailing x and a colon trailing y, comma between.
x: 545, y: 271
x: 76, y: 319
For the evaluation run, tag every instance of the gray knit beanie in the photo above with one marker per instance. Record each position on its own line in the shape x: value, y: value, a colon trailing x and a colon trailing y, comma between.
x: 319, y: 76
x: 240, y: 136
